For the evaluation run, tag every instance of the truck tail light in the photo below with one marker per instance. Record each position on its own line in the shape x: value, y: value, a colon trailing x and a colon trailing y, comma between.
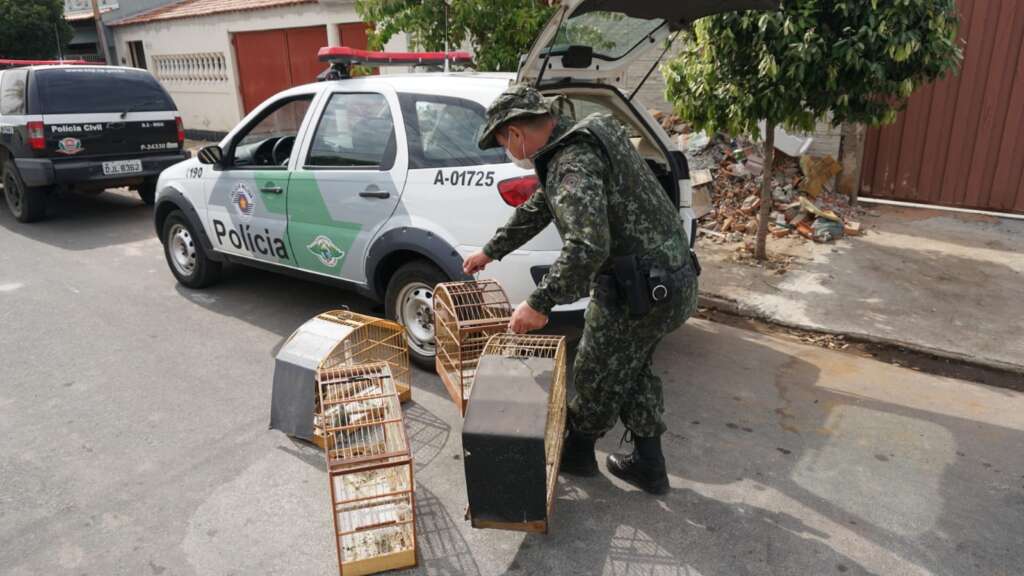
x: 181, y: 130
x: 36, y: 135
x: 516, y: 191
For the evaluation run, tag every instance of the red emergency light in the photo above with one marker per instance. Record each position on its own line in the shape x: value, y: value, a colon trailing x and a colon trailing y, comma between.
x: 346, y: 55
x: 12, y: 63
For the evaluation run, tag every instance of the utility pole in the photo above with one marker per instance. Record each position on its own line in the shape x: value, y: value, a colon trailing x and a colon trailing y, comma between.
x: 60, y: 45
x: 446, y: 47
x: 101, y: 35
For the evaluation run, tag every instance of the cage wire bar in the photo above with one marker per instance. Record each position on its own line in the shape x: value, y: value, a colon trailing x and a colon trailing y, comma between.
x: 370, y: 470
x: 553, y: 347
x: 466, y: 315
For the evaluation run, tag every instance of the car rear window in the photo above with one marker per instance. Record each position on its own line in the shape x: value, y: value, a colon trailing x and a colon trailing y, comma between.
x: 97, y: 90
x: 443, y: 131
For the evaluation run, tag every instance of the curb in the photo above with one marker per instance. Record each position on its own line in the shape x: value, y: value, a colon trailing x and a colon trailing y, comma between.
x: 739, y: 309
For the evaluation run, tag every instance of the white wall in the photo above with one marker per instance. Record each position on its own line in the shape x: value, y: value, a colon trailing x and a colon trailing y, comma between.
x: 217, y: 105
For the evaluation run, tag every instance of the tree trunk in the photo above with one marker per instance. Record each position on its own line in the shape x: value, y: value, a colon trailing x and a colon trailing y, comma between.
x: 851, y: 156
x: 761, y: 251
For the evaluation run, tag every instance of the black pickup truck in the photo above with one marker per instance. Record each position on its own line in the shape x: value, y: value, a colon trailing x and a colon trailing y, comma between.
x: 83, y: 128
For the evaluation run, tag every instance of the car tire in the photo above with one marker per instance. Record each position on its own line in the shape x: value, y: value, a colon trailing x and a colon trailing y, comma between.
x: 409, y: 301
x: 147, y: 191
x: 26, y: 204
x: 185, y: 254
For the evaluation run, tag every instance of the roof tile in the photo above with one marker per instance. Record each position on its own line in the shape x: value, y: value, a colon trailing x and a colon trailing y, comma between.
x: 194, y: 8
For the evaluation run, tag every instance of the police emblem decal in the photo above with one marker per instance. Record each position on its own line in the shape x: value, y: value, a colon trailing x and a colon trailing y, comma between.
x: 244, y: 201
x: 325, y: 251
x: 69, y: 146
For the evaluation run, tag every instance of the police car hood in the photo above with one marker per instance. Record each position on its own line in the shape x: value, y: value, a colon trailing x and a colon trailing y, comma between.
x: 598, y: 40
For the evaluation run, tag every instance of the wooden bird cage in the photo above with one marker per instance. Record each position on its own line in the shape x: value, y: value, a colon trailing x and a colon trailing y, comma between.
x: 372, y: 340
x: 514, y: 431
x: 466, y: 315
x: 369, y: 465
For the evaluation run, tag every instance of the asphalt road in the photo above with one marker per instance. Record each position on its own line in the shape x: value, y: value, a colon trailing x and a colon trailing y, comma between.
x: 134, y: 440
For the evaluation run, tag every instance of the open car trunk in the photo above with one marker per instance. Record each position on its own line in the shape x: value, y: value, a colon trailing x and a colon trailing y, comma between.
x: 597, y: 40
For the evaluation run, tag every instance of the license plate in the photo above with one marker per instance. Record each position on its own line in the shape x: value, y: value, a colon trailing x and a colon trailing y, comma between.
x: 118, y: 167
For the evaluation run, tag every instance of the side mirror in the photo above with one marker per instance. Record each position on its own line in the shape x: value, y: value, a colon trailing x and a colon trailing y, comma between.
x: 211, y: 155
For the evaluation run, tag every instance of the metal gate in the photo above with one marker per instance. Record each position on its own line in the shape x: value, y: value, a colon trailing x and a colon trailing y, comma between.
x: 960, y: 142
x: 270, y: 61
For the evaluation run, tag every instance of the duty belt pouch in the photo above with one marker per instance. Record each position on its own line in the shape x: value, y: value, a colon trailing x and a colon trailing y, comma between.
x: 632, y: 284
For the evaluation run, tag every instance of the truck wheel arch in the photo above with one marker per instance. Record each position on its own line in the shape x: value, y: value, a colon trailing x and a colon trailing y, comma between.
x: 398, y: 246
x: 172, y: 200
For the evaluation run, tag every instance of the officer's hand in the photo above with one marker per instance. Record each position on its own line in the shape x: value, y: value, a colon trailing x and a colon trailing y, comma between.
x: 526, y: 319
x: 476, y: 262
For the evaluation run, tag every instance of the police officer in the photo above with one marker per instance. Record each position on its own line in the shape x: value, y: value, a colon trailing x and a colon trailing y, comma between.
x: 623, y: 245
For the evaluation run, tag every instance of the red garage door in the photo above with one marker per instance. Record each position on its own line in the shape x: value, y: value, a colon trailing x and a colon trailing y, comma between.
x: 959, y: 142
x: 270, y: 61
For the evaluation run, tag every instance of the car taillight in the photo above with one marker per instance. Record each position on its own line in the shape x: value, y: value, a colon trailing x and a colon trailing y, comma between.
x: 36, y: 135
x: 181, y: 130
x: 516, y: 191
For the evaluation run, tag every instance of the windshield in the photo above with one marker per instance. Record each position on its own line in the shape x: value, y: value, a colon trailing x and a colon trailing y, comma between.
x: 78, y: 90
x: 612, y: 35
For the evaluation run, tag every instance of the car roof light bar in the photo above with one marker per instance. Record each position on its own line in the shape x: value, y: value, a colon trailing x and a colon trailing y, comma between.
x: 343, y: 57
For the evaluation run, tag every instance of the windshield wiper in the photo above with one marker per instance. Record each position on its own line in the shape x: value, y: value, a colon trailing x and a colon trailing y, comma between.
x: 135, y: 106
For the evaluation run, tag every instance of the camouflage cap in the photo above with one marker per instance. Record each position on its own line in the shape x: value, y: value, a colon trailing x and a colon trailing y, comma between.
x: 518, y: 101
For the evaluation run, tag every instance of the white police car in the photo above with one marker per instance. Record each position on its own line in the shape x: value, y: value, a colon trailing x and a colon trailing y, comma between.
x: 376, y: 183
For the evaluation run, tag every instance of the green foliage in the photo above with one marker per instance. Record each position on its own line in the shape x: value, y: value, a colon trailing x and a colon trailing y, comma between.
x: 856, y: 59
x: 498, y: 30
x: 29, y: 28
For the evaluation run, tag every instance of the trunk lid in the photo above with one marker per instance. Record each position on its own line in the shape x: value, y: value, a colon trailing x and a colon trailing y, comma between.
x: 598, y: 40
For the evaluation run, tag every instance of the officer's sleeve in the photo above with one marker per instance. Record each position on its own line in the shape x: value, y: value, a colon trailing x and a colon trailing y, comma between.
x: 578, y: 201
x: 526, y: 222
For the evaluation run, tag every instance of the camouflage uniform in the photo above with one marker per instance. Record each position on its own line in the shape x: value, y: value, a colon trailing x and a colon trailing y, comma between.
x: 605, y: 202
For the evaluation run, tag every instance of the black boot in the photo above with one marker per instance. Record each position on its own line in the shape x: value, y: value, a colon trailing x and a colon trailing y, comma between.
x: 578, y: 457
x: 644, y: 467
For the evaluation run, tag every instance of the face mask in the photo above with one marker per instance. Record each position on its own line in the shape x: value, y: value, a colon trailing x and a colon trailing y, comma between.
x: 525, y: 163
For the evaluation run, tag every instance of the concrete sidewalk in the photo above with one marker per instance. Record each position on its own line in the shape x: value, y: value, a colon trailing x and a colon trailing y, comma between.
x: 944, y: 283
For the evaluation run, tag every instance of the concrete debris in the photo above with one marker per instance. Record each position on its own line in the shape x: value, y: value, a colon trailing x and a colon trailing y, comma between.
x: 802, y: 204
x: 817, y: 173
x: 700, y: 177
x: 825, y: 230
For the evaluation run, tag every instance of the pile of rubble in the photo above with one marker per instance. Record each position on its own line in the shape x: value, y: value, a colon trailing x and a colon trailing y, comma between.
x: 730, y: 174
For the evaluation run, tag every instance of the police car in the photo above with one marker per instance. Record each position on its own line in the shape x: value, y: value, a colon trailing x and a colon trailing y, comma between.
x: 83, y: 128
x: 376, y: 183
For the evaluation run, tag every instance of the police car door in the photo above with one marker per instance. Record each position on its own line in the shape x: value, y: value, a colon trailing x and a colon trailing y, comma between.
x: 352, y: 172
x: 247, y: 206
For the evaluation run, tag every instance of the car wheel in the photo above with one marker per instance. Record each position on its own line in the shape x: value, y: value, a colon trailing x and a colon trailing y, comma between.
x: 147, y: 191
x: 410, y: 302
x: 26, y: 204
x: 185, y: 254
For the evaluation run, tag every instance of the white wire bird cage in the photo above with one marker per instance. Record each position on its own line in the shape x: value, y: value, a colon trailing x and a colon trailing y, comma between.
x: 370, y: 470
x: 466, y: 315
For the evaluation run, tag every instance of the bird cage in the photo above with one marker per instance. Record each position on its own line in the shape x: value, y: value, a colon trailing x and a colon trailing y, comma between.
x: 335, y: 338
x: 514, y: 430
x: 370, y: 470
x: 372, y: 340
x: 466, y: 315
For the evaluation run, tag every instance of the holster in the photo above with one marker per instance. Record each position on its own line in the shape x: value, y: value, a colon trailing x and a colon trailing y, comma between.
x: 640, y: 288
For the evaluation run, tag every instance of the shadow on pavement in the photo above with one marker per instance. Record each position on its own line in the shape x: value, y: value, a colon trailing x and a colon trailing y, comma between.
x: 272, y: 301
x: 442, y: 548
x: 801, y: 461
x: 82, y: 222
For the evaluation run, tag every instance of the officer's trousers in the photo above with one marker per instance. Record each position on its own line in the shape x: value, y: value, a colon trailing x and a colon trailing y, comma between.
x: 612, y: 372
